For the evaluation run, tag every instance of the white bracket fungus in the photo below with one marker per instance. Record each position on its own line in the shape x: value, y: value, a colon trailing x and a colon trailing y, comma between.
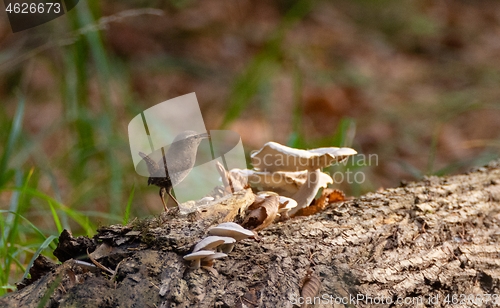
x: 277, y: 157
x: 274, y: 158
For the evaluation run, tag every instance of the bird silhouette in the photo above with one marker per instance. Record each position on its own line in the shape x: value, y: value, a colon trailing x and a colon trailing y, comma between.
x: 175, y: 165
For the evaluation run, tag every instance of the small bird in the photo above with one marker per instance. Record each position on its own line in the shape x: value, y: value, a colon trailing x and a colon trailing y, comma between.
x: 173, y: 168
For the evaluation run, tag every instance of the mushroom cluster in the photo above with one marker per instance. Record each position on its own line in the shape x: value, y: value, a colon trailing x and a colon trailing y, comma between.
x: 220, y: 242
x: 290, y: 179
x: 292, y: 173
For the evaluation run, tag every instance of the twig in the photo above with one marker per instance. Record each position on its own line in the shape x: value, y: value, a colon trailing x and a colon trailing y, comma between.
x: 99, y: 265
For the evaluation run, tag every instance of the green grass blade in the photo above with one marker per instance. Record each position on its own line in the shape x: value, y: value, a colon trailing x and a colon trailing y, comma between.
x: 98, y: 52
x: 56, y: 218
x: 55, y: 188
x: 345, y: 133
x: 14, y: 204
x: 129, y: 205
x: 116, y: 182
x: 81, y: 219
x: 4, y: 278
x: 21, y: 267
x: 409, y: 168
x: 481, y: 160
x: 22, y: 193
x: 44, y: 245
x: 11, y: 141
x: 10, y: 234
x: 22, y: 217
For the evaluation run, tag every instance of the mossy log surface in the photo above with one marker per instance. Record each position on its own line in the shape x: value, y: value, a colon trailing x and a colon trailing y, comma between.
x: 436, y: 241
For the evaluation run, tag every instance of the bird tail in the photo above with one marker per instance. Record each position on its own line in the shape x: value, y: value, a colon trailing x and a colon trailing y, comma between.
x: 152, y: 165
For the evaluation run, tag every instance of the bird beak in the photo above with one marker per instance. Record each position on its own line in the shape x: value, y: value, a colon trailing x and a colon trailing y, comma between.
x: 203, y: 136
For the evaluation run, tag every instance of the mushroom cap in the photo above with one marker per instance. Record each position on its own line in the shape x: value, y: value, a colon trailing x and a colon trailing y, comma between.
x: 209, y: 243
x: 198, y: 255
x: 340, y: 153
x: 238, y: 233
x: 228, y: 240
x: 230, y: 224
x: 277, y: 157
x: 216, y: 255
x: 267, y: 193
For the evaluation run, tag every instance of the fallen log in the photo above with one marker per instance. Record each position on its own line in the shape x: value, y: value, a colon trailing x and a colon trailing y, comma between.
x: 433, y: 243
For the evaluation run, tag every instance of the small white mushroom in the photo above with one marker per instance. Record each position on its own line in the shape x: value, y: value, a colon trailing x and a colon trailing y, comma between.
x: 208, y: 262
x: 267, y: 193
x: 230, y: 224
x: 231, y: 230
x: 216, y: 255
x: 197, y: 256
x: 209, y: 243
x: 228, y: 245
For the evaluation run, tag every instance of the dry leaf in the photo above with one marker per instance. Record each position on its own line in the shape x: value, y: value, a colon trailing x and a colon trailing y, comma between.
x: 257, y: 203
x: 334, y: 195
x: 101, y: 251
x: 328, y: 196
x: 310, y: 287
x: 251, y: 298
x: 224, y: 175
x: 262, y: 214
x: 238, y: 181
x: 232, y: 181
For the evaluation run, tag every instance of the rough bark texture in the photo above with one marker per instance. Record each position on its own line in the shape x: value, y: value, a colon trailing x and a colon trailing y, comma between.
x: 435, y: 241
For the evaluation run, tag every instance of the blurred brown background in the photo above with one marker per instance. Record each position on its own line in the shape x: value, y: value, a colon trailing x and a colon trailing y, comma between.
x: 415, y: 82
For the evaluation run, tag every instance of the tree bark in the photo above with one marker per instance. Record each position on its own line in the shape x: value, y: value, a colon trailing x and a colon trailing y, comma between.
x: 433, y: 243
